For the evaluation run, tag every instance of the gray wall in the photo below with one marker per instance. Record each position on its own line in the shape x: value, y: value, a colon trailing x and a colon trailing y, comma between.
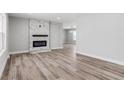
x: 5, y: 54
x: 102, y: 36
x: 19, y: 35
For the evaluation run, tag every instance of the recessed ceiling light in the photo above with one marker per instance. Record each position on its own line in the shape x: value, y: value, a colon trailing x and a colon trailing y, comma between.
x: 58, y: 18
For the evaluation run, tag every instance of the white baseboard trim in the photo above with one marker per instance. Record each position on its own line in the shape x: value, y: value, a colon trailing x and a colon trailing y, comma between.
x: 3, y: 65
x: 41, y: 51
x: 57, y: 48
x: 18, y: 52
x: 102, y: 58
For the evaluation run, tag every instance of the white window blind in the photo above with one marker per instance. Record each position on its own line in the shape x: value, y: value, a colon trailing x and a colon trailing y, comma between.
x: 1, y: 33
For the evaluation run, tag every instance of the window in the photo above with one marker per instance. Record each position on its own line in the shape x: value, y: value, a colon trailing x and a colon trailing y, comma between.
x: 3, y: 29
x: 1, y: 32
x: 74, y: 35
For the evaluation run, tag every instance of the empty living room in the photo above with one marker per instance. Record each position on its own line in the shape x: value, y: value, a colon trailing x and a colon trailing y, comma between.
x: 61, y: 46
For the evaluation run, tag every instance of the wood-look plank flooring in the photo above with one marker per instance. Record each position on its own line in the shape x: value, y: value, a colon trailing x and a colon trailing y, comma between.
x: 62, y: 64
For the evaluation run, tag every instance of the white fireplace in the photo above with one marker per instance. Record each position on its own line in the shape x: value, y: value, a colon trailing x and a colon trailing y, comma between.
x: 39, y: 36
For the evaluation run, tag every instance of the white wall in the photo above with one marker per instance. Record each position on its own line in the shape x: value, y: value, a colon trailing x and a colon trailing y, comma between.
x: 56, y: 35
x: 102, y: 36
x: 19, y: 35
x: 4, y: 54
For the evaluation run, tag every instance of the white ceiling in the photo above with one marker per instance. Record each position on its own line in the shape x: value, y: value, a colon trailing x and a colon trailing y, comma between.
x: 64, y: 17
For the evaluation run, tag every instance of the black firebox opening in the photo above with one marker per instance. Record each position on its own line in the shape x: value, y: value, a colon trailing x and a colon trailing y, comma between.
x: 39, y: 43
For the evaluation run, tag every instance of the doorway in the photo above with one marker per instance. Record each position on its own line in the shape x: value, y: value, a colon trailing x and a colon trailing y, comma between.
x: 70, y: 39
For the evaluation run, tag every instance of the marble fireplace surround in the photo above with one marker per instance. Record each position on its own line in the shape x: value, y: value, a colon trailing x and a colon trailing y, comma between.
x: 39, y: 31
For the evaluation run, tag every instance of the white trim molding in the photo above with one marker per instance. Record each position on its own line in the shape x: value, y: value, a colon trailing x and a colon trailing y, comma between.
x: 102, y: 58
x: 40, y: 51
x: 19, y: 52
x: 57, y: 48
x: 3, y: 64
